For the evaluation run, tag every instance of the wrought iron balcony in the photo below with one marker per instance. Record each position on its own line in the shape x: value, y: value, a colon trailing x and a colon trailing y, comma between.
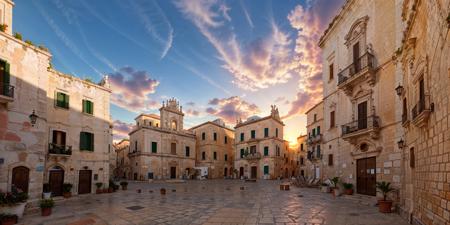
x: 6, y: 92
x: 421, y: 111
x: 361, y: 126
x: 358, y: 69
x: 57, y: 149
x: 315, y: 139
x: 314, y: 155
x: 253, y: 156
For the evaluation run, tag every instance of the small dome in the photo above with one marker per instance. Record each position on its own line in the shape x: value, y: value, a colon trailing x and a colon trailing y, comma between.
x: 252, y: 118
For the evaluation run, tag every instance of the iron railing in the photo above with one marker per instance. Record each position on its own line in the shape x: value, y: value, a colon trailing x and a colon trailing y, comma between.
x: 361, y: 124
x: 422, y: 105
x: 59, y: 149
x: 255, y: 155
x: 363, y: 62
x: 7, y: 90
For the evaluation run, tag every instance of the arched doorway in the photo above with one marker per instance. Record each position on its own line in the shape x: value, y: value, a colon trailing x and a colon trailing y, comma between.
x: 21, y: 178
x: 241, y: 172
x: 56, y: 180
x: 225, y: 172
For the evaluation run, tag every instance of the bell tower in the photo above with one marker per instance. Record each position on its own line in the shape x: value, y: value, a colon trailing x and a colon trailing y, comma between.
x: 172, y: 115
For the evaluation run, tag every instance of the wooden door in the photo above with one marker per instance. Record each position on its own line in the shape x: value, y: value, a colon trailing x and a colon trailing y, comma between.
x: 366, y: 176
x: 21, y: 178
x: 56, y: 181
x: 173, y: 172
x: 225, y: 172
x: 254, y: 172
x: 84, y: 182
x: 362, y: 115
x: 356, y: 61
x: 241, y: 172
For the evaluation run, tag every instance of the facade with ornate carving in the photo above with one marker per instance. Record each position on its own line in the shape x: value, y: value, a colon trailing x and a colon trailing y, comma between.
x: 215, y: 148
x: 315, y: 152
x: 159, y: 146
x: 260, y: 149
x: 359, y: 126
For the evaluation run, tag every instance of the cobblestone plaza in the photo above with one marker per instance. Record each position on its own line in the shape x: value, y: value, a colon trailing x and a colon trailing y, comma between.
x: 213, y: 202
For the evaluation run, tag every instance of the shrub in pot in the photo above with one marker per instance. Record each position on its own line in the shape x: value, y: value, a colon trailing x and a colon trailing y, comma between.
x: 8, y: 219
x: 13, y: 202
x: 46, y: 206
x: 124, y: 185
x: 99, y: 189
x: 335, y: 189
x: 46, y: 191
x: 67, y: 188
x: 384, y: 205
x: 162, y: 191
x: 348, y: 188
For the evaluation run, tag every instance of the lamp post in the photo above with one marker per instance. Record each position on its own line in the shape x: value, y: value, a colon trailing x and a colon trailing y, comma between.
x: 33, y: 118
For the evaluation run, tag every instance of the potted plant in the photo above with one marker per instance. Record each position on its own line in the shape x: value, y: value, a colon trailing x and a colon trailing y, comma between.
x: 99, y: 187
x: 124, y: 185
x: 335, y: 189
x: 162, y: 191
x: 67, y: 188
x: 46, y: 206
x: 8, y: 219
x: 3, y: 27
x: 46, y: 191
x: 324, y: 188
x: 384, y: 205
x: 113, y: 186
x: 105, y: 189
x: 348, y: 188
x: 13, y: 202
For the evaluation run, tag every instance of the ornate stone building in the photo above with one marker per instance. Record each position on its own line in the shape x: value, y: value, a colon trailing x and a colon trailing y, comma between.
x: 215, y: 148
x: 122, y: 162
x: 260, y: 148
x: 304, y: 164
x: 159, y: 146
x: 44, y: 136
x: 315, y: 153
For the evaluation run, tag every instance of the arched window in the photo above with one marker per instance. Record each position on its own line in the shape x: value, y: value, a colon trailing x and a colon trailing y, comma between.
x: 174, y: 125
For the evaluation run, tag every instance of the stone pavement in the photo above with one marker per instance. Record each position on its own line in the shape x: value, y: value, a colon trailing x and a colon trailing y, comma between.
x: 213, y: 202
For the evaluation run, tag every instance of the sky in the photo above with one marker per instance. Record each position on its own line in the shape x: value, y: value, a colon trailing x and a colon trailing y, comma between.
x: 221, y: 59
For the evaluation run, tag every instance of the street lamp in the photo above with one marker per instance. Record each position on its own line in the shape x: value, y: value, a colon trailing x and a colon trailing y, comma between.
x: 33, y: 118
x: 401, y: 144
x: 399, y: 89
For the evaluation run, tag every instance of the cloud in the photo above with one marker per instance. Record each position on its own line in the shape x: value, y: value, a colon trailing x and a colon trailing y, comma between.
x: 232, y: 108
x: 309, y: 24
x: 121, y: 130
x: 259, y: 64
x: 131, y: 89
x: 192, y: 112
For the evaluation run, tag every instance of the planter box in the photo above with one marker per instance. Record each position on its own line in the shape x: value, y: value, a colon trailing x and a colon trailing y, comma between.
x: 14, y: 209
x: 46, y: 211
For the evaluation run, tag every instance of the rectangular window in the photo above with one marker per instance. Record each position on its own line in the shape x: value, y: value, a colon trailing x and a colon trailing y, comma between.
x: 88, y: 107
x: 203, y: 136
x: 242, y: 136
x: 332, y: 123
x: 318, y: 151
x: 331, y: 74
x: 302, y: 161
x: 215, y: 155
x: 266, y: 170
x: 86, y: 141
x: 154, y: 147
x: 330, y: 159
x: 242, y: 153
x: 266, y: 150
x: 225, y: 157
x: 314, y: 132
x: 412, y: 158
x: 5, y: 77
x: 215, y: 136
x: 301, y: 147
x: 203, y: 155
x: 173, y: 148
x: 253, y: 134
x: 318, y: 130
x: 62, y: 100
x: 276, y: 132
x: 315, y: 117
x: 188, y: 151
x: 225, y: 140
x: 266, y: 132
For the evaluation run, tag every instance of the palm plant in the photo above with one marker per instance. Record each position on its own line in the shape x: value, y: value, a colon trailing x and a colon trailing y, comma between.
x: 384, y: 188
x: 335, y: 181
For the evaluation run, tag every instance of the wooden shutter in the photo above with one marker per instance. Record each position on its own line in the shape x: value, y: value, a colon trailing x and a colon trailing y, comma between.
x: 330, y: 159
x: 82, y: 141
x: 154, y: 147
x: 266, y: 151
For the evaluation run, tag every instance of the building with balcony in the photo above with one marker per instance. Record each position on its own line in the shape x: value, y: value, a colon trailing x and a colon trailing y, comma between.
x: 314, y: 150
x: 359, y: 126
x: 215, y: 148
x: 260, y: 151
x: 122, y: 162
x: 303, y: 162
x: 159, y: 146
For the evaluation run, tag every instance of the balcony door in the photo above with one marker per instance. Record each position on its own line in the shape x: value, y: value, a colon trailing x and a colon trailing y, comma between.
x: 253, y: 149
x: 356, y: 57
x: 59, y: 138
x: 362, y: 115
x: 421, y: 95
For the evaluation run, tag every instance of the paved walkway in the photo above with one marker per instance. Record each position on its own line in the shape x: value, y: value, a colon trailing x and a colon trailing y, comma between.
x: 213, y: 202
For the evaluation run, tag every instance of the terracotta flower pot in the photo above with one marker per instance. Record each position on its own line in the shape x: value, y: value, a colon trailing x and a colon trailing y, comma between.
x: 8, y: 221
x: 384, y: 206
x: 46, y: 211
x: 98, y: 191
x: 67, y: 194
x: 105, y: 190
x: 162, y: 191
x: 124, y: 187
x: 110, y: 190
x: 348, y: 191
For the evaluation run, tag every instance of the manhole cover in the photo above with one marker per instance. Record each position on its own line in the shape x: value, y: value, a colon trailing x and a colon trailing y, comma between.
x: 135, y: 207
x: 353, y: 214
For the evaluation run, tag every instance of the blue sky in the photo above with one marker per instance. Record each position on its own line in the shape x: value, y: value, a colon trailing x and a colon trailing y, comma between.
x: 224, y: 59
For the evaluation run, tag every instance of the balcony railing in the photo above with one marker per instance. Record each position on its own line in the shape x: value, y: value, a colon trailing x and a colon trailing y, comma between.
x: 59, y: 149
x: 315, y: 138
x: 255, y: 155
x: 6, y: 90
x: 363, y: 62
x: 421, y: 106
x: 370, y: 122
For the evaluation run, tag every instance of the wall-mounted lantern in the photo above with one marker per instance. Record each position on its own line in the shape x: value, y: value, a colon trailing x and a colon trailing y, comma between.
x: 401, y: 144
x: 33, y: 118
x: 399, y: 89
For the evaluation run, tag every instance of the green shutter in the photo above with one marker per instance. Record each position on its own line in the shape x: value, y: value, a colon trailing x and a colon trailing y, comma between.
x: 66, y: 101
x: 242, y: 152
x: 91, y: 108
x: 91, y: 139
x: 266, y: 170
x: 82, y: 141
x: 266, y: 151
x: 6, y: 74
x: 154, y: 147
